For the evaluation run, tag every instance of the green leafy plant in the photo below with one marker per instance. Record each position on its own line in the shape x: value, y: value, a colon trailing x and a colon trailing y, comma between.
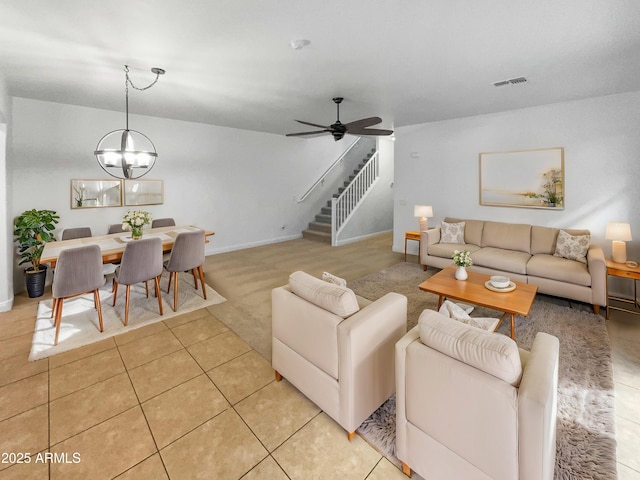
x: 32, y: 229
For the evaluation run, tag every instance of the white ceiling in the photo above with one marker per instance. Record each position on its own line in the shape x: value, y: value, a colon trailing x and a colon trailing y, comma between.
x: 230, y: 63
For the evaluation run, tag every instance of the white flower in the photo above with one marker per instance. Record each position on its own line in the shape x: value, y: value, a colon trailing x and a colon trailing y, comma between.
x: 136, y: 218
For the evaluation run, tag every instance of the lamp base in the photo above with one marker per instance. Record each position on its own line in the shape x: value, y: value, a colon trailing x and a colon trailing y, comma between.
x: 423, y: 224
x: 619, y: 251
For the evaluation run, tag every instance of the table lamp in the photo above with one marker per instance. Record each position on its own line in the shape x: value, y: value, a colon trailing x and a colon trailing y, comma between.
x: 619, y: 233
x: 424, y: 212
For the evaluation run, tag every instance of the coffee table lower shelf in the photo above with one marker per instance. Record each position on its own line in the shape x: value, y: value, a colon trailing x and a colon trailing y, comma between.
x: 473, y: 290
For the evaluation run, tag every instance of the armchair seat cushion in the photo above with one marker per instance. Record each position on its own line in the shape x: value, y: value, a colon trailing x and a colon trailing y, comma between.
x: 489, y: 352
x: 338, y: 300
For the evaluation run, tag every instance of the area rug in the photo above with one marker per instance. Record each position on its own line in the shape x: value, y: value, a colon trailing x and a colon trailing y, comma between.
x: 586, y: 445
x: 80, y: 325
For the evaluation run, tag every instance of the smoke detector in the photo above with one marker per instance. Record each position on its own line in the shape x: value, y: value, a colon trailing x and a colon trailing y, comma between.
x: 510, y: 81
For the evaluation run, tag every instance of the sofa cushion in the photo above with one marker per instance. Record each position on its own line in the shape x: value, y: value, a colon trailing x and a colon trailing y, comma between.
x: 338, y: 300
x: 472, y: 229
x: 560, y: 269
x: 503, y: 260
x: 331, y: 278
x: 543, y: 240
x: 573, y: 247
x: 452, y: 233
x: 510, y: 236
x: 490, y: 352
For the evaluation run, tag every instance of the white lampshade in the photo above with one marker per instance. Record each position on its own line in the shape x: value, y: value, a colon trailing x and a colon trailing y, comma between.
x: 423, y: 211
x: 619, y: 233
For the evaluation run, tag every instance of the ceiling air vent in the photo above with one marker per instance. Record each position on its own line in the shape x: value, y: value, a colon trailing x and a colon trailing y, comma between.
x: 510, y: 81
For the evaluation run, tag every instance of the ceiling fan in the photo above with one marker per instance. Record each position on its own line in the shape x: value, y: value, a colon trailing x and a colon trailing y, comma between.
x: 338, y: 129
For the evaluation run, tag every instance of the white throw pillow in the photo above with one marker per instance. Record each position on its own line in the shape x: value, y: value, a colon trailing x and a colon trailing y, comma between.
x: 328, y: 277
x: 452, y: 232
x: 340, y: 301
x: 457, y: 311
x: 573, y: 247
x: 490, y: 352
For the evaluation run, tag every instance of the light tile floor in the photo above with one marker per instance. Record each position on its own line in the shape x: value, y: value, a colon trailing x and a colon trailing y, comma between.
x: 188, y: 398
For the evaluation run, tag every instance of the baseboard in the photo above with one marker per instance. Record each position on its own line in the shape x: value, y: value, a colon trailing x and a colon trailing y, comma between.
x: 242, y: 246
x: 6, y: 305
x: 361, y: 237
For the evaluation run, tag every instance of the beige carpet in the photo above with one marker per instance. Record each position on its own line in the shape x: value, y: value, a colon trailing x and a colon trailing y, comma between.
x: 80, y: 319
x: 586, y: 445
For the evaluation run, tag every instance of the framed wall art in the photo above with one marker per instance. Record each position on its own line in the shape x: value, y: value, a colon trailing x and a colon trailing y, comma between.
x: 527, y: 178
x: 143, y: 192
x: 95, y: 193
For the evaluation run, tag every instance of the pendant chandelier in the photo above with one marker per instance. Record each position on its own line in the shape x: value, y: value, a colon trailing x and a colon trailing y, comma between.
x: 127, y: 153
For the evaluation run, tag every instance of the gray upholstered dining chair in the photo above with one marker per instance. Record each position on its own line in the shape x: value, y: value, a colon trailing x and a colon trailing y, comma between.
x: 78, y: 271
x: 78, y: 232
x: 187, y: 254
x: 141, y: 262
x: 163, y: 222
x: 115, y: 228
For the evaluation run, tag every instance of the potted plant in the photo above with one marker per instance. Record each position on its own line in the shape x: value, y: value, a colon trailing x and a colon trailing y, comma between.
x: 32, y: 229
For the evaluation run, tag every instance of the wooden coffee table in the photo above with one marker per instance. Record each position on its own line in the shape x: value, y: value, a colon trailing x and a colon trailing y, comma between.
x: 472, y: 290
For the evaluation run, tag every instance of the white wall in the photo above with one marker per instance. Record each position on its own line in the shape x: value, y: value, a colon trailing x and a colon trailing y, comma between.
x: 6, y: 222
x: 601, y: 159
x: 241, y: 184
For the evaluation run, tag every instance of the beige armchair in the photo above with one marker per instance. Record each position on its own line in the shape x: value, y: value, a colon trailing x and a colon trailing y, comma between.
x: 471, y: 405
x: 336, y: 348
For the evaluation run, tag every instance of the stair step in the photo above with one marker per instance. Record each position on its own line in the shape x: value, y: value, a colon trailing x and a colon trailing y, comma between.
x: 320, y: 227
x: 322, y: 218
x: 317, y: 236
x: 326, y: 210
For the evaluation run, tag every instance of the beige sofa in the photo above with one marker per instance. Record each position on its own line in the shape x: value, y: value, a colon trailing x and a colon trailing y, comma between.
x: 525, y: 253
x: 336, y: 348
x: 471, y: 405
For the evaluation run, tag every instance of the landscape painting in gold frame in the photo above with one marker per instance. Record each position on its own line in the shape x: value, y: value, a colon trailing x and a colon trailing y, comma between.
x: 524, y: 178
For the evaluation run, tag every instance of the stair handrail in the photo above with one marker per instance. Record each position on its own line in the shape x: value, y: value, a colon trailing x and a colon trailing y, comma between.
x: 344, y: 205
x: 326, y: 172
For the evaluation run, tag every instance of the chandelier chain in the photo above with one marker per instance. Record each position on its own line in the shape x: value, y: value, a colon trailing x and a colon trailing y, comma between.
x: 129, y: 82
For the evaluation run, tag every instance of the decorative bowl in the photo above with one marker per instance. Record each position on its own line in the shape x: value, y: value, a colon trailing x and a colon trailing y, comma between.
x: 500, y: 281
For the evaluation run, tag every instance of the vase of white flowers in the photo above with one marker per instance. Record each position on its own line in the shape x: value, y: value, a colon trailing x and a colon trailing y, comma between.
x: 134, y: 221
x: 462, y: 259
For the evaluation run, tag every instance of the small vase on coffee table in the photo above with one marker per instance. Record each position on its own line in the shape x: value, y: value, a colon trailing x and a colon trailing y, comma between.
x: 461, y: 273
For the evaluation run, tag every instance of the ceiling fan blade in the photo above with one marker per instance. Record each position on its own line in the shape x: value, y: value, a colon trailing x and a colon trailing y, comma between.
x: 370, y: 131
x: 365, y: 122
x: 312, y: 124
x: 316, y: 132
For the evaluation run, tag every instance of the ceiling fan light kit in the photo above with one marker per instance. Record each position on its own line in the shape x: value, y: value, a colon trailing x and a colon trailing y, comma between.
x: 127, y: 153
x: 339, y: 129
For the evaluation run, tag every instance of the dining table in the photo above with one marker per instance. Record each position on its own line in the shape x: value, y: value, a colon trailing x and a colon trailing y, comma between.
x: 112, y: 246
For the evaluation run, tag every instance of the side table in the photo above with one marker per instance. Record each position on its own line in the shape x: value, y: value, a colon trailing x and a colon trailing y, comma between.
x: 411, y: 236
x: 621, y: 270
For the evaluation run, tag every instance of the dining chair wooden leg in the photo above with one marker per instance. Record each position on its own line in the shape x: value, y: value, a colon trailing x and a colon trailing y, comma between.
x: 157, y: 281
x: 195, y: 278
x: 53, y: 309
x: 170, y: 278
x: 96, y: 294
x: 175, y: 293
x: 115, y: 292
x: 146, y: 287
x: 58, y: 320
x: 126, y: 305
x: 204, y: 290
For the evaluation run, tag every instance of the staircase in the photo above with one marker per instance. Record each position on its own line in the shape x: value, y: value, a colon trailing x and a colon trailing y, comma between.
x: 320, y: 228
